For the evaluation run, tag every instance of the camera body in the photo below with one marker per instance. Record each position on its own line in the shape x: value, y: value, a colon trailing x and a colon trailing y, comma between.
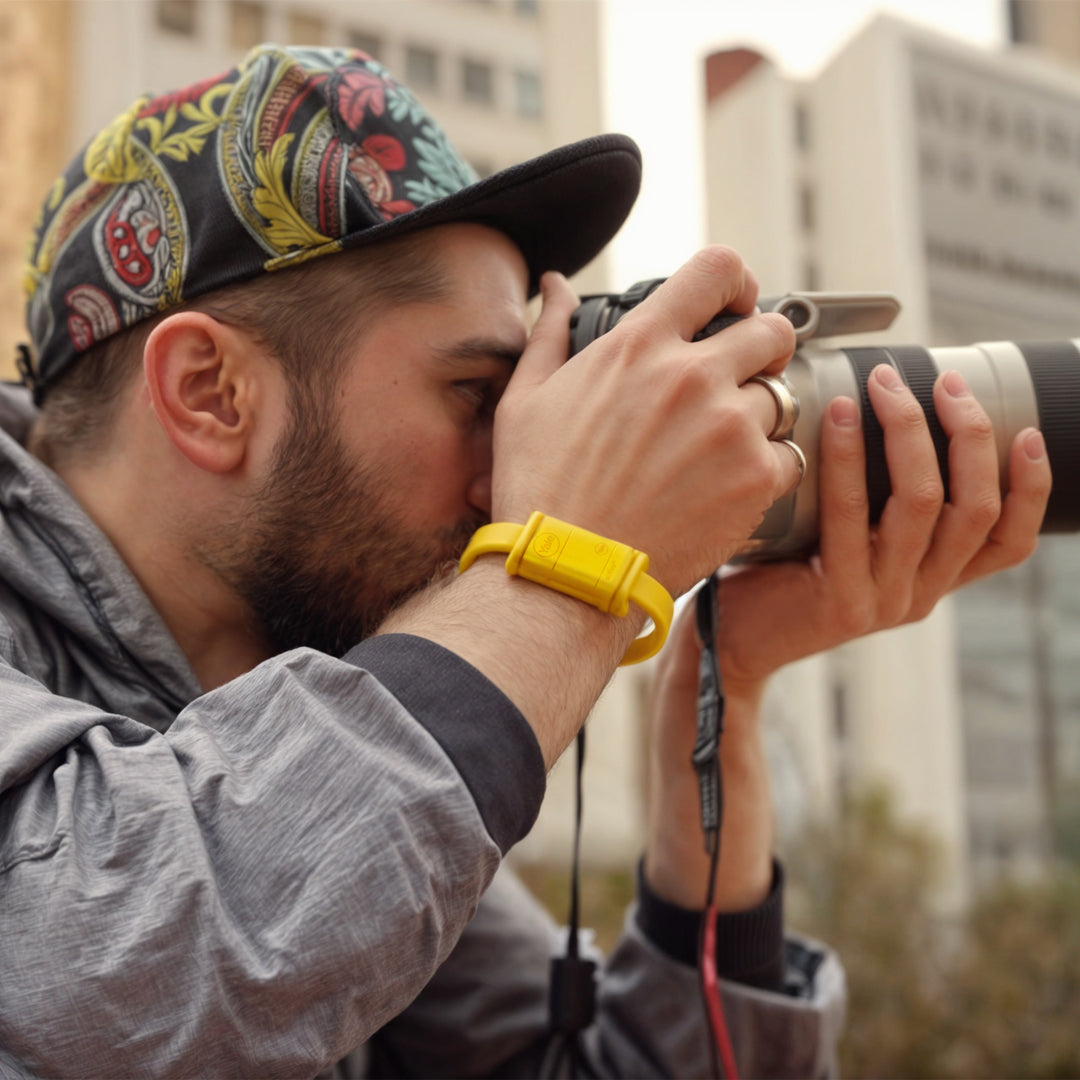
x: 1019, y: 385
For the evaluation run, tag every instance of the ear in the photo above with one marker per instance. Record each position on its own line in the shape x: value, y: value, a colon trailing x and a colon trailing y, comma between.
x: 202, y: 378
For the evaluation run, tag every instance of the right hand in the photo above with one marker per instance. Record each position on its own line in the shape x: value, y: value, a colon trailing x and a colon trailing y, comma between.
x: 646, y: 436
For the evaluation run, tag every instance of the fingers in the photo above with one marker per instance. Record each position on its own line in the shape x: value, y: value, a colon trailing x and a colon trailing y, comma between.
x: 975, y: 487
x: 844, y: 506
x: 924, y: 547
x: 549, y: 342
x: 758, y: 345
x: 910, y: 514
x: 714, y: 280
x: 1014, y: 536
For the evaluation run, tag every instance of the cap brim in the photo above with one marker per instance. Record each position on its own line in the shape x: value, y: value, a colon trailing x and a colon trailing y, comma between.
x: 561, y: 208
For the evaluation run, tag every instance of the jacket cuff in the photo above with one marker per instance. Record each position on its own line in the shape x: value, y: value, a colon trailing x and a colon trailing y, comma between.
x: 478, y: 727
x: 749, y: 944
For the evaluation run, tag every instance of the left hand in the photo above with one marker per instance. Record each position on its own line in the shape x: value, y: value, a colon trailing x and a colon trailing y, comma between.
x: 865, y: 578
x: 868, y: 578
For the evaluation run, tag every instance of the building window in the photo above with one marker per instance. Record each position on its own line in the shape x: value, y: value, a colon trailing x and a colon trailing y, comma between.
x: 806, y: 207
x: 529, y: 93
x: 1023, y: 22
x: 421, y: 68
x: 247, y: 24
x: 306, y: 29
x: 366, y: 43
x: 802, y: 126
x: 478, y: 82
x: 177, y: 16
x: 529, y: 8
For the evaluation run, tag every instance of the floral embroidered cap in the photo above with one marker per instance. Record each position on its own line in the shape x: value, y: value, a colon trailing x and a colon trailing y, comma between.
x: 294, y: 154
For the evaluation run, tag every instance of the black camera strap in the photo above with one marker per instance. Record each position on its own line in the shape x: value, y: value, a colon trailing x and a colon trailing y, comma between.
x: 572, y: 989
x: 710, y: 717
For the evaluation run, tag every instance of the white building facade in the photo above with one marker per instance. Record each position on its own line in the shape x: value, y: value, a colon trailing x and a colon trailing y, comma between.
x: 950, y: 177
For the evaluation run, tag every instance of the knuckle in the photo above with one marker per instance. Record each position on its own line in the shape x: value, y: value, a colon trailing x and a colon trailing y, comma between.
x: 980, y: 427
x: 984, y: 511
x: 731, y: 421
x: 894, y: 610
x: 720, y: 261
x: 1041, y: 487
x: 634, y: 335
x: 857, y: 618
x: 685, y: 381
x: 1015, y: 551
x: 927, y: 497
x: 911, y: 416
x: 920, y: 609
x: 780, y: 332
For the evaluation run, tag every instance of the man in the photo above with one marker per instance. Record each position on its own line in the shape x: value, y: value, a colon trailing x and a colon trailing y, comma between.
x: 261, y: 756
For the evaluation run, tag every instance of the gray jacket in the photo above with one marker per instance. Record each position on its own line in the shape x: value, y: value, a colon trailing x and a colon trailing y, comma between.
x: 259, y: 880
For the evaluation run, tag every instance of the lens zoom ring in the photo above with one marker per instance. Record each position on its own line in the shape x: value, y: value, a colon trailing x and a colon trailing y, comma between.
x: 1055, y: 374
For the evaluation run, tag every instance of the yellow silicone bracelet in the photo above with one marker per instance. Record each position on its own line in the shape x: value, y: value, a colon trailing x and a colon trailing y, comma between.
x: 601, y: 572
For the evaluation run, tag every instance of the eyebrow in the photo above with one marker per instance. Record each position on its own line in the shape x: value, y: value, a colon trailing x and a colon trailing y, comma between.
x: 472, y: 349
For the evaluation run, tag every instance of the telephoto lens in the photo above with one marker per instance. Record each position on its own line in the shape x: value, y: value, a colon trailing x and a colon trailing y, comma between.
x: 1019, y: 385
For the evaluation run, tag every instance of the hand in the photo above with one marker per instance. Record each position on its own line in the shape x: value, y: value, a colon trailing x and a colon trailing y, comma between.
x: 645, y: 436
x: 871, y: 578
x: 865, y: 579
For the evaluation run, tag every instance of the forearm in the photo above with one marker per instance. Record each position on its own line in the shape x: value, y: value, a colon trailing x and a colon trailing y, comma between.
x: 550, y: 654
x: 258, y: 849
x: 676, y: 863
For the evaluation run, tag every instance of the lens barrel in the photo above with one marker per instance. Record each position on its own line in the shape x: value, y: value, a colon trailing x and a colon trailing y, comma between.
x: 1019, y: 384
x: 1053, y: 368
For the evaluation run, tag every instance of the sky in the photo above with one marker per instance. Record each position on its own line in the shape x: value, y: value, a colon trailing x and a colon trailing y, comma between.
x: 654, y: 83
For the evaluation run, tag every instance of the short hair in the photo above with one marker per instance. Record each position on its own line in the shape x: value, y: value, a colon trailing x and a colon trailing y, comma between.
x: 307, y: 317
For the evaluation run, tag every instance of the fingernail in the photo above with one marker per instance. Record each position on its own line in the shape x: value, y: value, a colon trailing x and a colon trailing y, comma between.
x: 955, y: 384
x: 844, y: 412
x: 1035, y: 445
x: 887, y: 377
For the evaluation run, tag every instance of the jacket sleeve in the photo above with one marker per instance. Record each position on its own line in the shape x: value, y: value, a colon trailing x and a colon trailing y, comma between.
x: 485, y: 1011
x: 260, y: 888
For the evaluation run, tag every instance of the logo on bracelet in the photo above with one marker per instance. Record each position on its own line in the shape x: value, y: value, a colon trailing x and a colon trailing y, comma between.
x: 546, y: 544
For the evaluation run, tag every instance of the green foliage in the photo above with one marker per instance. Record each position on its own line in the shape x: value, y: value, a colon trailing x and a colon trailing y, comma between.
x: 997, y: 995
x: 1016, y: 987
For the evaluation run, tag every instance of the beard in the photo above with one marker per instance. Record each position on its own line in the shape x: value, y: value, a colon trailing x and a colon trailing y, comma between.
x: 318, y: 554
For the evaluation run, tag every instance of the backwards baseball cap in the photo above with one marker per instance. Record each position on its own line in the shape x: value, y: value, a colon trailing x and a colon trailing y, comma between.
x: 294, y: 154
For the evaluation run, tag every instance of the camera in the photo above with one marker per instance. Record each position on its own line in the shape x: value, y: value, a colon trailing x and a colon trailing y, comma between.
x: 1019, y: 385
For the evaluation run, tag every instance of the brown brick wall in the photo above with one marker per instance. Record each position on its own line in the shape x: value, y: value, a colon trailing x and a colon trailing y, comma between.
x: 35, y: 89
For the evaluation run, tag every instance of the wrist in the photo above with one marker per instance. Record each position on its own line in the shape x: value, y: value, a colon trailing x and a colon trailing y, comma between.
x: 549, y: 654
x: 603, y: 573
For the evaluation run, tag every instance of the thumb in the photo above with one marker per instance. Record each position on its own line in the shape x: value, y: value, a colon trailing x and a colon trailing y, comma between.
x: 549, y: 342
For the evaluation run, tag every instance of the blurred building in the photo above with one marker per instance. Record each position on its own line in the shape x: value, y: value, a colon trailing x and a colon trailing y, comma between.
x: 950, y: 177
x: 1048, y: 27
x: 507, y: 79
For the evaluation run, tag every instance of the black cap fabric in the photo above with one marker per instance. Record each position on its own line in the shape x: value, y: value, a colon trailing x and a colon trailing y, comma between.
x: 294, y: 154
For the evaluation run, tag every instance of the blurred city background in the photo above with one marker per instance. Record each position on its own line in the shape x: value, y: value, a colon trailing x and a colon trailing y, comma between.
x: 927, y: 780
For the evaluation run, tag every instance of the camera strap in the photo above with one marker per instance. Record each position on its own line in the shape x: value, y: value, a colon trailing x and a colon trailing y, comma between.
x: 706, y: 761
x: 710, y: 716
x: 572, y: 987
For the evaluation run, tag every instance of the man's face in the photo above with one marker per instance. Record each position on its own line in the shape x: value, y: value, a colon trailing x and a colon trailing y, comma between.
x: 368, y: 497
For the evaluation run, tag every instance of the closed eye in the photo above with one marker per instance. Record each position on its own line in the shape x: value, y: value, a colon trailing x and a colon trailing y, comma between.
x: 481, y: 395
